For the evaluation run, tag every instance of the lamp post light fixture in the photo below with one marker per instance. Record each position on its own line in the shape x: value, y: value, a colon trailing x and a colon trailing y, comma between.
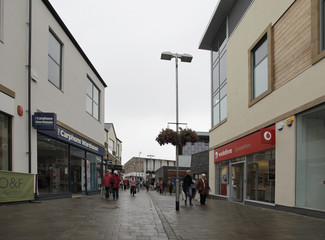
x: 184, y: 58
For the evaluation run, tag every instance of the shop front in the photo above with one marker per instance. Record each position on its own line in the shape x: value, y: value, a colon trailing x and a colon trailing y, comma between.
x: 67, y: 163
x: 245, y: 168
x: 310, y: 159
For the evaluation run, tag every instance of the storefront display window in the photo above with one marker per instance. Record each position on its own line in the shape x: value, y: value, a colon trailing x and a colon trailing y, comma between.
x: 310, y: 170
x: 5, y: 143
x: 93, y: 172
x: 53, y: 167
x: 222, y: 178
x: 261, y: 176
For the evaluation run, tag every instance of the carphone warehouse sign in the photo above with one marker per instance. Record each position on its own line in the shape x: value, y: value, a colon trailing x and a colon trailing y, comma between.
x: 74, y: 139
x: 44, y: 121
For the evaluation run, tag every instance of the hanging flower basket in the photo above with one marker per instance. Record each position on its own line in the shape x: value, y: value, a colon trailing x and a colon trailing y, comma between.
x: 187, y: 135
x: 167, y: 136
x: 170, y: 136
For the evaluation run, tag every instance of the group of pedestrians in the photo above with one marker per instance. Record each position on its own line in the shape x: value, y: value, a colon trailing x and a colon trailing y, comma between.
x: 111, y: 182
x: 190, y: 186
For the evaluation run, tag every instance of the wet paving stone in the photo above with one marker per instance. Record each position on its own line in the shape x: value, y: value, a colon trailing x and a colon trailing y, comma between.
x: 151, y: 216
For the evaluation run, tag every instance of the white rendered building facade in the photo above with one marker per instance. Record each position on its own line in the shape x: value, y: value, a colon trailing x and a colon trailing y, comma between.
x: 44, y: 73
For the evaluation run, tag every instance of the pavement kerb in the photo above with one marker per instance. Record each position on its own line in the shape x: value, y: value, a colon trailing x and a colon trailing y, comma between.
x: 168, y: 229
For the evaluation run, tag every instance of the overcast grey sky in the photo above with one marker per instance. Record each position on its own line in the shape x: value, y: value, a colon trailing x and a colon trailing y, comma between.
x: 124, y: 40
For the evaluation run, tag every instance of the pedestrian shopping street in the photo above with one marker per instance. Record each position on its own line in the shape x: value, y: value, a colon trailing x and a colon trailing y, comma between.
x: 152, y: 216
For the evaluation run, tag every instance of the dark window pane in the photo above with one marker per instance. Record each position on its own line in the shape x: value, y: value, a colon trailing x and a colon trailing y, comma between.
x: 223, y: 68
x: 54, y: 48
x: 54, y: 73
x: 260, y: 51
x: 4, y: 142
x: 222, y: 37
x: 216, y: 80
x: 53, y: 174
x: 323, y: 25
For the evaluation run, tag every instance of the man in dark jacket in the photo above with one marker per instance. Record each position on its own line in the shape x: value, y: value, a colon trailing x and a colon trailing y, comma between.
x: 187, y: 182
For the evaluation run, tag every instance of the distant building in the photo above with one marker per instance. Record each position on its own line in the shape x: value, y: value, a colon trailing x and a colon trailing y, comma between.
x: 145, y: 167
x: 190, y: 152
x: 113, y: 148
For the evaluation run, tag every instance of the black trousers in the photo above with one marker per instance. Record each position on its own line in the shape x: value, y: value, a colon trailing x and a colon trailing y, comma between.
x: 133, y: 190
x: 203, y: 197
x: 115, y: 193
x: 107, y: 192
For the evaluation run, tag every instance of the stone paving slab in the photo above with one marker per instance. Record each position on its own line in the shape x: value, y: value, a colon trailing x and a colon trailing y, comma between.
x: 225, y: 220
x: 151, y: 216
x: 83, y: 218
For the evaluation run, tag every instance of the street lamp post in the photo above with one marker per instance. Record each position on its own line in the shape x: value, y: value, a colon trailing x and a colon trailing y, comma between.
x: 184, y: 58
x: 139, y: 167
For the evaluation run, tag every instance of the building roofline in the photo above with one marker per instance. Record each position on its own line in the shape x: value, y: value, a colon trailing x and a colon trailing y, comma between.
x: 216, y: 21
x: 73, y: 40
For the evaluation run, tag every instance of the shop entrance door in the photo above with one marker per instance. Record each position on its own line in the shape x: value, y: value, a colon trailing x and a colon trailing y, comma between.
x: 237, y: 182
x: 76, y: 166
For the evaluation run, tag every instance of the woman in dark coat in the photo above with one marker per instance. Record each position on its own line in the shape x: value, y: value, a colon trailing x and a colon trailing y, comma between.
x: 202, y: 186
x: 187, y: 182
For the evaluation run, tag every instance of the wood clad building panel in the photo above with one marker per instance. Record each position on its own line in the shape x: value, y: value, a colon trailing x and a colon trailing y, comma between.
x: 292, y: 42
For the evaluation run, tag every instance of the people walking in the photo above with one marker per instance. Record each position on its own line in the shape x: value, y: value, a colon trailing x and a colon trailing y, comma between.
x: 115, y: 182
x: 202, y: 186
x: 193, y: 186
x: 187, y: 183
x: 132, y: 183
x: 125, y: 183
x: 171, y: 186
x: 161, y: 185
x: 147, y: 185
x: 107, y: 183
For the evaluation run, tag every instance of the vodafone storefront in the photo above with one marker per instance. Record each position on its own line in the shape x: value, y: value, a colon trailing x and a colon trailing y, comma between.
x: 245, y: 168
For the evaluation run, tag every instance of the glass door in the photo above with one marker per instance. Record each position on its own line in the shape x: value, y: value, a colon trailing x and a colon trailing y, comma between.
x: 237, y: 182
x: 76, y: 164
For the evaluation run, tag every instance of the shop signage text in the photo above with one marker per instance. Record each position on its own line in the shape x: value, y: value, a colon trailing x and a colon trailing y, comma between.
x: 44, y: 121
x: 16, y: 186
x: 256, y: 142
x: 74, y: 139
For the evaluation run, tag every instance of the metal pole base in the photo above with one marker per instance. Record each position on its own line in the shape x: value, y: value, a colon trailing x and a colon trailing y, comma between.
x: 177, y: 206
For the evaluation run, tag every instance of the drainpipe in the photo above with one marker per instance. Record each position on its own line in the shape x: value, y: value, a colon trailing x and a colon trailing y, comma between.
x: 29, y: 88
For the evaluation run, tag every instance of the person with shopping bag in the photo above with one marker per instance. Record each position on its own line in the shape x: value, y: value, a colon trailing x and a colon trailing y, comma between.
x: 202, y: 186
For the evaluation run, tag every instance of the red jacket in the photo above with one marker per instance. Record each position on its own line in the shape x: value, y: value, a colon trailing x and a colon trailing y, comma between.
x: 203, y: 187
x: 107, y: 180
x: 116, y: 179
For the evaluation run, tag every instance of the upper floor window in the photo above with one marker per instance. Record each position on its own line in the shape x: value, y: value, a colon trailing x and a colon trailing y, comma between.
x: 219, y: 77
x: 259, y: 58
x: 111, y: 146
x: 117, y: 150
x: 318, y: 30
x: 322, y: 24
x: 260, y: 74
x: 55, y: 61
x: 1, y: 20
x: 92, y: 99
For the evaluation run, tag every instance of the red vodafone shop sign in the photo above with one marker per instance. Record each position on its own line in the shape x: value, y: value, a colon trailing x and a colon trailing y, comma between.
x: 256, y: 142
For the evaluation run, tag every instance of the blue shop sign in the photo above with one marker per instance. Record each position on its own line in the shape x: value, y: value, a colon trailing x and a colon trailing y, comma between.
x: 76, y: 140
x: 44, y: 121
